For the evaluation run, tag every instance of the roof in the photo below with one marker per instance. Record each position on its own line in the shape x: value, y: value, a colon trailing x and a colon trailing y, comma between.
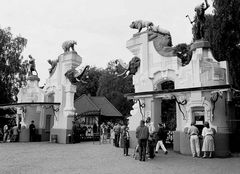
x: 88, y: 103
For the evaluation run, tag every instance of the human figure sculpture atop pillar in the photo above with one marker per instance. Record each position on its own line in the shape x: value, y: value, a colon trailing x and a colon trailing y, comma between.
x: 200, y: 20
x: 32, y: 66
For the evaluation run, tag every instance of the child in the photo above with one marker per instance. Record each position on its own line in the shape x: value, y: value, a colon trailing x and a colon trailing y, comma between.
x: 125, y: 137
x: 136, y: 153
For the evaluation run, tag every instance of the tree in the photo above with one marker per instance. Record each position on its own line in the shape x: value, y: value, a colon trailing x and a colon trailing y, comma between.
x: 12, y: 69
x: 92, y: 82
x: 223, y: 33
x: 113, y: 88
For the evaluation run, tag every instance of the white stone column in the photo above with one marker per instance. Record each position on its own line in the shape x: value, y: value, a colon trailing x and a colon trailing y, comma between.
x: 196, y: 67
x: 69, y: 102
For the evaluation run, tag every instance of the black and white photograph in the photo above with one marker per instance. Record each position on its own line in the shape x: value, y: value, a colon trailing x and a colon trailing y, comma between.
x: 120, y: 87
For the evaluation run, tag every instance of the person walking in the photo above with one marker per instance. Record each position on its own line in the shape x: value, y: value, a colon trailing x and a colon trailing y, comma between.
x: 160, y: 137
x: 32, y: 130
x: 208, y: 141
x: 125, y: 139
x: 142, y: 134
x: 194, y: 140
x: 5, y: 133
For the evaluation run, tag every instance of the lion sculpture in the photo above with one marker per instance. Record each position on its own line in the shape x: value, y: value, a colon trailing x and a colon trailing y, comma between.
x: 140, y: 24
x: 69, y: 44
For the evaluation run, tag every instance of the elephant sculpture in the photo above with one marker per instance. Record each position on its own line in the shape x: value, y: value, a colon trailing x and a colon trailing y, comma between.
x: 131, y: 68
x: 53, y: 64
x: 75, y: 76
x: 68, y: 44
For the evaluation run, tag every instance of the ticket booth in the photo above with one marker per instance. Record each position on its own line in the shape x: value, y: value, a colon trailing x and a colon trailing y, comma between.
x: 198, y: 117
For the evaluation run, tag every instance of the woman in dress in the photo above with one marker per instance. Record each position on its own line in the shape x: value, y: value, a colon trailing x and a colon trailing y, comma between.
x: 208, y: 141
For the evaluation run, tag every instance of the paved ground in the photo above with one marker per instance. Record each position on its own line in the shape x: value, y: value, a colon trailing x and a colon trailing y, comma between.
x: 89, y: 158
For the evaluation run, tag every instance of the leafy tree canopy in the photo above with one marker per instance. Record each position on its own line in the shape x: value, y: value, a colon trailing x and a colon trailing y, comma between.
x: 105, y: 82
x: 113, y: 88
x: 12, y: 68
x: 92, y: 82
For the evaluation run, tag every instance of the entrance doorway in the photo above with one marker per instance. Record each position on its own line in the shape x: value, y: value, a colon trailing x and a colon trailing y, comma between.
x: 168, y: 108
x: 168, y: 112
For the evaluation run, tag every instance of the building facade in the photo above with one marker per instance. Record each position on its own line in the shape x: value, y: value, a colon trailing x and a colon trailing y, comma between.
x: 164, y: 88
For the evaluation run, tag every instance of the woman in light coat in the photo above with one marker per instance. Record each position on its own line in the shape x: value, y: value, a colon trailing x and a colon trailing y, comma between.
x: 208, y: 141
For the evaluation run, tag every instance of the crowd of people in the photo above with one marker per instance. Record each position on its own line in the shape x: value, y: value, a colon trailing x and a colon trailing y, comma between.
x: 82, y: 131
x: 150, y: 140
x: 10, y: 133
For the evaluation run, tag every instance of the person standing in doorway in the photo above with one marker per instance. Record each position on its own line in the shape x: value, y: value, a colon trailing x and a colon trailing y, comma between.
x: 142, y: 134
x: 194, y: 140
x: 32, y: 130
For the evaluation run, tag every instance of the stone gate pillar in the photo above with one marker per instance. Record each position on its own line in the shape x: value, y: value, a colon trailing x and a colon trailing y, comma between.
x: 65, y: 95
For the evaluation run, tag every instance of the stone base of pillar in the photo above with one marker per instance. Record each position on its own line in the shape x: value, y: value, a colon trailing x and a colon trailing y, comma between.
x: 62, y: 135
x: 24, y: 135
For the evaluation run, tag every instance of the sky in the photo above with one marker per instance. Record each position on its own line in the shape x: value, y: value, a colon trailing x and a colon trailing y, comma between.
x: 100, y: 27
